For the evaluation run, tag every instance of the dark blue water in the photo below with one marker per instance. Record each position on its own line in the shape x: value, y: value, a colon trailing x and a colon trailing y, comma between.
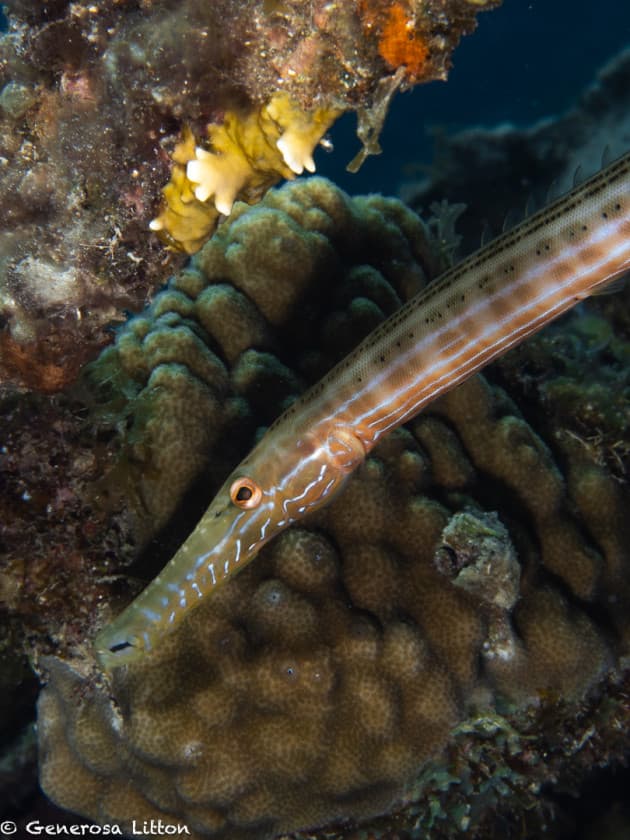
x: 528, y: 59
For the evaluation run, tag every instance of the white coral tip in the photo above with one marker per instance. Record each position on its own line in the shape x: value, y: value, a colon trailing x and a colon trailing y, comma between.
x: 290, y: 152
x: 194, y: 170
x: 223, y: 204
x: 202, y: 192
x: 202, y: 154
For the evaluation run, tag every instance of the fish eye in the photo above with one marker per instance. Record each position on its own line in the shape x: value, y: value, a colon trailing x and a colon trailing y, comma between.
x: 245, y: 493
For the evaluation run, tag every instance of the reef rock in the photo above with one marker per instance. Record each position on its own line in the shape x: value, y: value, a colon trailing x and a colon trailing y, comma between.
x: 102, y: 103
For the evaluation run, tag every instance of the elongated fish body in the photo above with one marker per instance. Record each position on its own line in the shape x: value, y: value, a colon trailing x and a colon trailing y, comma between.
x: 470, y: 315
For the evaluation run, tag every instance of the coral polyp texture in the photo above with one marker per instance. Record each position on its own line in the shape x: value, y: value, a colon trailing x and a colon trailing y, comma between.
x: 471, y: 578
x: 105, y: 105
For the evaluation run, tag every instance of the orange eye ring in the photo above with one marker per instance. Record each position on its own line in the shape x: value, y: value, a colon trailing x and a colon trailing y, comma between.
x: 245, y: 493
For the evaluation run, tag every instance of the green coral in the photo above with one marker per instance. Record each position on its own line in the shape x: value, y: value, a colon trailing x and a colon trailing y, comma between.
x: 357, y: 648
x: 280, y: 293
x: 580, y: 374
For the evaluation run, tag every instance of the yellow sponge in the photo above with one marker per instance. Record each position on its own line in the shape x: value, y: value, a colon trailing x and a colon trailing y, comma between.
x: 248, y: 153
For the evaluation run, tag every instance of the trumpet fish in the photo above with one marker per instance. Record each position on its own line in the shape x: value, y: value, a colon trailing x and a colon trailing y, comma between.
x: 473, y: 313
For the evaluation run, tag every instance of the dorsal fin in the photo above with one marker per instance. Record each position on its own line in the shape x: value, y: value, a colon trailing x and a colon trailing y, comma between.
x: 614, y: 287
x: 530, y: 206
x: 511, y: 218
x: 552, y: 191
x: 578, y: 175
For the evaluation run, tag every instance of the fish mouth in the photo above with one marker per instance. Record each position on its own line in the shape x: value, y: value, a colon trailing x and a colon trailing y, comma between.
x: 114, y: 648
x: 219, y: 546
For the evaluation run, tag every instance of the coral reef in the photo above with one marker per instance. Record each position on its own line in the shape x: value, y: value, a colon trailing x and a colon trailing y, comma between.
x: 64, y: 530
x: 471, y: 579
x: 581, y: 377
x: 58, y: 553
x: 101, y: 103
x: 222, y: 351
x: 340, y: 58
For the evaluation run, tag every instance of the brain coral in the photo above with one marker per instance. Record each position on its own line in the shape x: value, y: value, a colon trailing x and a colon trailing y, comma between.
x: 468, y: 565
